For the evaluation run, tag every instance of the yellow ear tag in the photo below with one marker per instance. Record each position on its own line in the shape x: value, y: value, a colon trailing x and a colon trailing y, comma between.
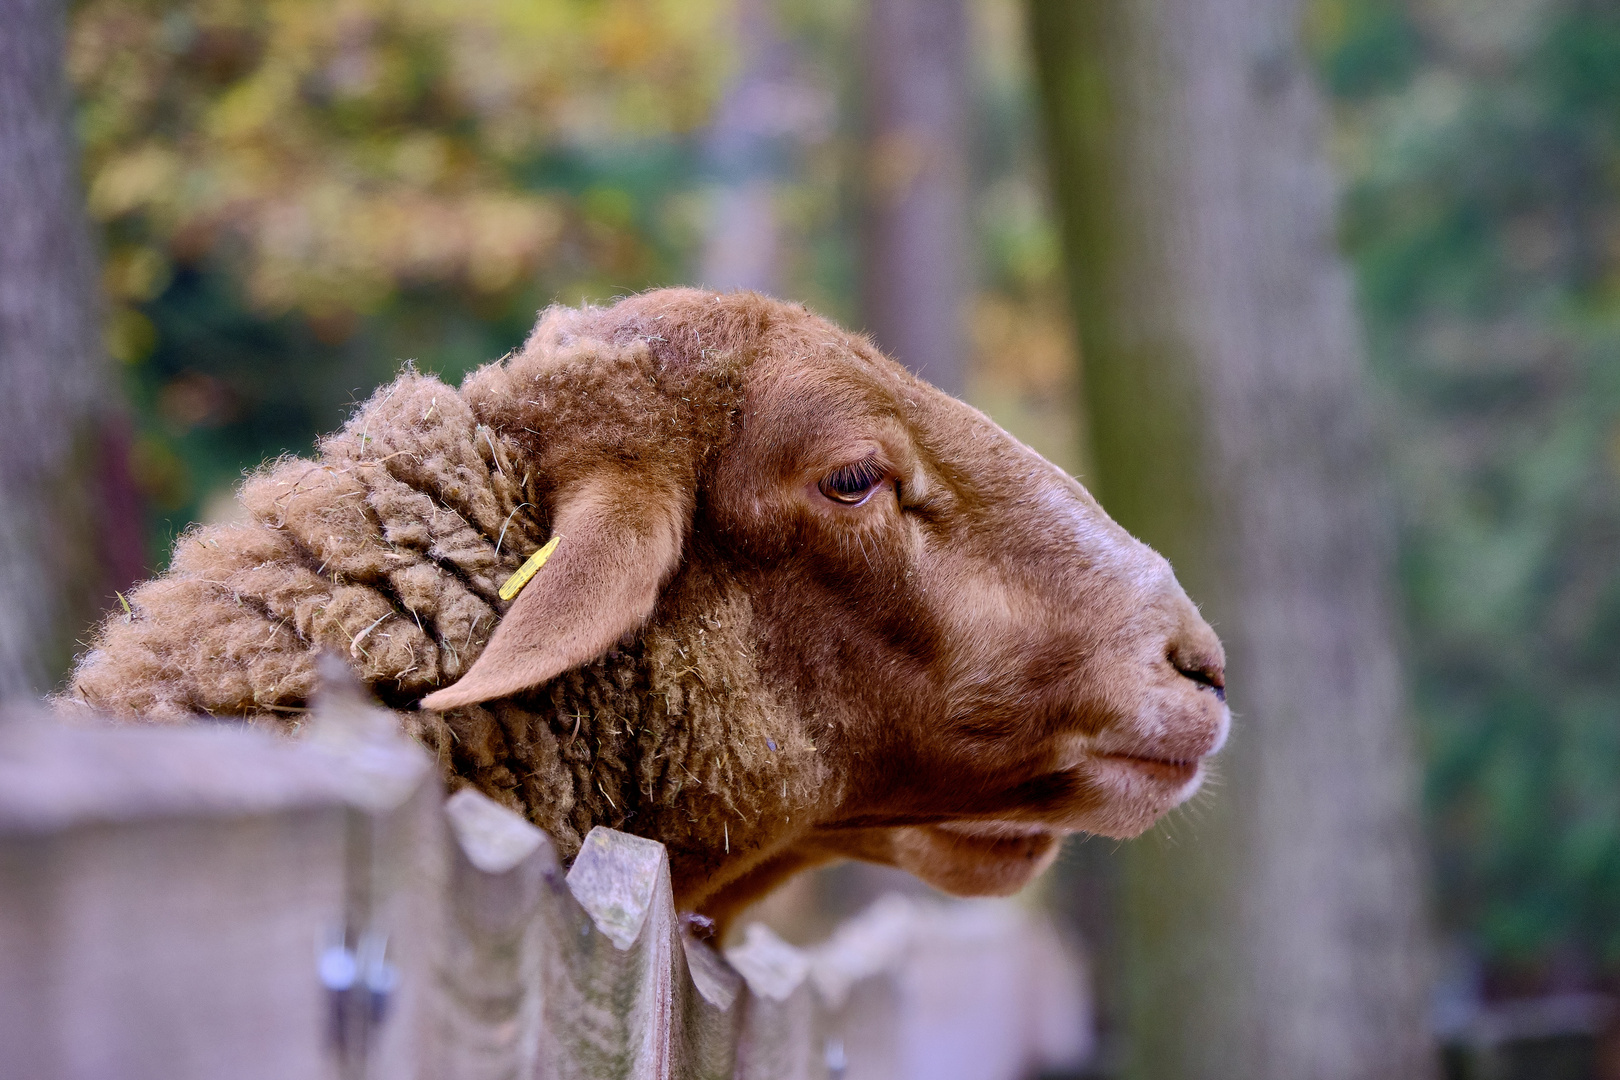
x: 530, y: 567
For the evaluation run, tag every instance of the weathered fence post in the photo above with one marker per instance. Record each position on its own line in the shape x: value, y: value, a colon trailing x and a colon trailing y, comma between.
x: 1006, y: 969
x: 979, y: 990
x: 144, y: 939
x: 710, y: 1015
x: 854, y: 977
x: 782, y: 1030
x: 379, y: 959
x: 492, y: 950
x: 196, y: 902
x: 618, y: 1002
x: 606, y: 979
x: 171, y: 897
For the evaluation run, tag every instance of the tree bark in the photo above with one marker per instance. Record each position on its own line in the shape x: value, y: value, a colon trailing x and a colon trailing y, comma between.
x: 1275, y: 931
x: 61, y: 440
x: 914, y: 280
x: 747, y: 148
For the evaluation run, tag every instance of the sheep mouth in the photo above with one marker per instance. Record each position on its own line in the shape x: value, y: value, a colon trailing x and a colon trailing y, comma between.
x: 1166, y: 770
x: 995, y: 831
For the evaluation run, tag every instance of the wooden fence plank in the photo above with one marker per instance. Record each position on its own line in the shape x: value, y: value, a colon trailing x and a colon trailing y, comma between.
x: 209, y: 901
x: 710, y: 1011
x: 783, y: 1033
x: 168, y: 889
x: 645, y: 1002
x: 490, y: 1010
x: 1058, y: 983
x: 390, y: 936
x: 608, y: 995
x: 854, y: 975
x: 970, y: 990
x: 406, y: 920
x: 965, y: 961
x: 174, y: 890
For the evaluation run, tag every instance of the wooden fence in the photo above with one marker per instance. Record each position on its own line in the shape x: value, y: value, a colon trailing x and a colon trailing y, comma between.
x: 209, y: 902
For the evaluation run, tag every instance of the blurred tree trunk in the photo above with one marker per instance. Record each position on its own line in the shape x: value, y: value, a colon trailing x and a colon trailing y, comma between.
x: 914, y: 279
x: 60, y: 437
x: 1275, y: 931
x: 746, y: 150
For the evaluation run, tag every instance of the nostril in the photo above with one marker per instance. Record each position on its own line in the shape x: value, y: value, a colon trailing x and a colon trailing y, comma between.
x: 1202, y: 670
x: 1193, y: 649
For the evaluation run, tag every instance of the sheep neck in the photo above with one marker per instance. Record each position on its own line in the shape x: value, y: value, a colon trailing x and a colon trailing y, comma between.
x: 672, y: 735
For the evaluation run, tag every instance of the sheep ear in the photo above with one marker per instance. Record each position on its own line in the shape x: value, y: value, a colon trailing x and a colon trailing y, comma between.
x: 619, y: 544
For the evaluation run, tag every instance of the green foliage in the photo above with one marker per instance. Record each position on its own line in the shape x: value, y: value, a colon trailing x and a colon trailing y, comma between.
x: 296, y: 197
x: 1482, y: 220
x: 1371, y: 46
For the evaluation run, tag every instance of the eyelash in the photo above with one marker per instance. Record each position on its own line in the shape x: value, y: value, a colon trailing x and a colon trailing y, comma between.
x: 853, y: 483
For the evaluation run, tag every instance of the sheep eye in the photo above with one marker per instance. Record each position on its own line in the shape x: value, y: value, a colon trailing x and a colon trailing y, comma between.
x: 853, y: 483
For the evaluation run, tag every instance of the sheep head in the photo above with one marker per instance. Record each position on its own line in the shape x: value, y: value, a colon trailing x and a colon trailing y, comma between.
x: 983, y: 661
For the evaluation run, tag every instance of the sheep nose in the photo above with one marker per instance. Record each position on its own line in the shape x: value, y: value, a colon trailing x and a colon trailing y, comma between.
x: 1196, y: 652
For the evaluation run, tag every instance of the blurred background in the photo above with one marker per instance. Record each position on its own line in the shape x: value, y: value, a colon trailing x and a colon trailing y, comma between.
x: 1322, y: 298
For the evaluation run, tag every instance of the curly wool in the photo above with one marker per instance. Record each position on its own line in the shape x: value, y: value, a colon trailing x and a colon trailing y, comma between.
x: 389, y: 549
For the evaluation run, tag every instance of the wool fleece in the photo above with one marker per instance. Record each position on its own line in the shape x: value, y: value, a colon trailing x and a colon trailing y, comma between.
x: 389, y: 549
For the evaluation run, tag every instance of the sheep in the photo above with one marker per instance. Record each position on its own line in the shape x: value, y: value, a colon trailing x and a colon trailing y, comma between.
x: 802, y: 606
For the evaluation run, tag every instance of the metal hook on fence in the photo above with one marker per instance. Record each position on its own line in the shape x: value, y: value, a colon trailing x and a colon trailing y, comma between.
x: 360, y: 983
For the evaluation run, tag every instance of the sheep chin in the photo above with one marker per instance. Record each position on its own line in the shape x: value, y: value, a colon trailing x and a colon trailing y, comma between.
x: 1132, y: 793
x: 964, y: 859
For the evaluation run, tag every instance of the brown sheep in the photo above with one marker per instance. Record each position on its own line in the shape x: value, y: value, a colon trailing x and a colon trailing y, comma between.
x: 804, y: 606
